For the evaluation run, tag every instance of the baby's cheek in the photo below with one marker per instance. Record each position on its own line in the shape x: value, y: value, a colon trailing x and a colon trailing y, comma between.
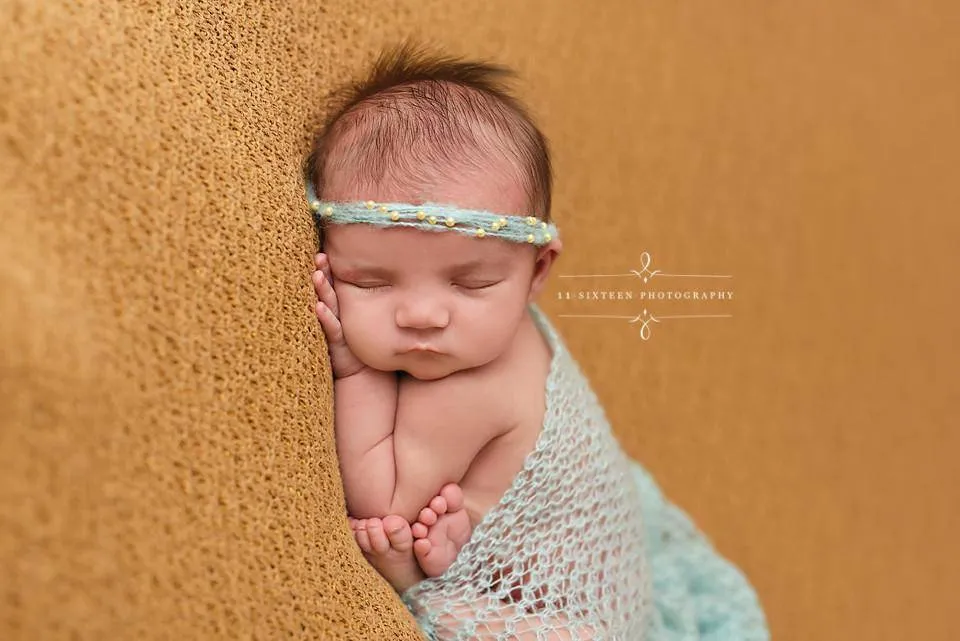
x: 362, y: 329
x: 489, y: 337
x: 354, y: 318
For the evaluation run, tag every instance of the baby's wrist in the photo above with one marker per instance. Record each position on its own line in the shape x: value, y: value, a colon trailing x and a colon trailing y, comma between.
x: 339, y: 376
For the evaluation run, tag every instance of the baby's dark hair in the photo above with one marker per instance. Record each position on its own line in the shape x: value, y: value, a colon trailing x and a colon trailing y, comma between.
x: 418, y: 115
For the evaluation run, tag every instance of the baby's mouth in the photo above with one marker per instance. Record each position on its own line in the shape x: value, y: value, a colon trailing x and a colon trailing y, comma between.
x: 421, y: 348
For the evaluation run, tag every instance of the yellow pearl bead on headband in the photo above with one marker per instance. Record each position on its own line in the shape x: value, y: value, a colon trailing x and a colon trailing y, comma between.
x: 435, y: 217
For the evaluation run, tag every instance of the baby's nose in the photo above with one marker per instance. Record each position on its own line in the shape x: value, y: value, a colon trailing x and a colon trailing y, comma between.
x: 422, y: 313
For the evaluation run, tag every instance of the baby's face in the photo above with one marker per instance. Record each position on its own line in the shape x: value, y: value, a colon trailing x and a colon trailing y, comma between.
x: 433, y: 303
x: 428, y: 303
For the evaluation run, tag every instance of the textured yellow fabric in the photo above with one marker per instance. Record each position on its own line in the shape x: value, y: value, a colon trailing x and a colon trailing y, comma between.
x: 167, y: 460
x: 167, y: 467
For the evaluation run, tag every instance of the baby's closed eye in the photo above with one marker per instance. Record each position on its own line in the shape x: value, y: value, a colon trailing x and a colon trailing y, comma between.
x: 461, y: 284
x: 477, y: 284
x: 367, y: 285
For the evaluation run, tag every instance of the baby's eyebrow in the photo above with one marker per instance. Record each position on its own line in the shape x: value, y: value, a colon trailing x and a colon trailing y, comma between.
x: 469, y: 266
x: 457, y: 269
x: 364, y: 270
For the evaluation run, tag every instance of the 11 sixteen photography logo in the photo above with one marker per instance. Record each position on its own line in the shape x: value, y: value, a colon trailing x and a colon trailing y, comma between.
x: 645, y: 297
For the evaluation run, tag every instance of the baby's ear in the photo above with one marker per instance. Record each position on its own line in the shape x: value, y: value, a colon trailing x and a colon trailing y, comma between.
x: 546, y: 256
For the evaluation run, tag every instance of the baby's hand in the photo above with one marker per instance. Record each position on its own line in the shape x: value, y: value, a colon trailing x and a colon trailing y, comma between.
x: 328, y: 311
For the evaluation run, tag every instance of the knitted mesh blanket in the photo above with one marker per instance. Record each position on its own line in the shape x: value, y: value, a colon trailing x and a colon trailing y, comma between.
x: 564, y: 554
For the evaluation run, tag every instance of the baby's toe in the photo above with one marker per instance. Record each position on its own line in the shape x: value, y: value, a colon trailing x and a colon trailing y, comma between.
x: 378, y: 538
x: 398, y: 532
x: 422, y: 547
x: 438, y: 504
x: 419, y: 530
x: 427, y: 516
x: 362, y: 538
x: 453, y: 496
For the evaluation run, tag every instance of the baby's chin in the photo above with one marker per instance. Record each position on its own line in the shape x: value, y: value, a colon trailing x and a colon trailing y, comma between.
x: 425, y: 367
x: 433, y: 368
x: 429, y: 372
x: 422, y: 376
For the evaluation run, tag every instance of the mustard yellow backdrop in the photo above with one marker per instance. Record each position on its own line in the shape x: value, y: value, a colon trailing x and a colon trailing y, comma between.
x: 167, y: 466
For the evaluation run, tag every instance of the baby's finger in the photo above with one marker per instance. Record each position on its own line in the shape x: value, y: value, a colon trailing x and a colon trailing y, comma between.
x: 325, y: 292
x: 331, y: 325
x: 321, y: 260
x: 323, y: 264
x: 327, y: 274
x: 318, y: 280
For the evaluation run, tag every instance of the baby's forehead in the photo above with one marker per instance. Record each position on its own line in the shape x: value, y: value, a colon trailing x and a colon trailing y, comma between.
x: 368, y: 247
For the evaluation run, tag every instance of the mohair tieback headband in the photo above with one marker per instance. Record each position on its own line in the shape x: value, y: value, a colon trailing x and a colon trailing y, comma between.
x: 434, y: 217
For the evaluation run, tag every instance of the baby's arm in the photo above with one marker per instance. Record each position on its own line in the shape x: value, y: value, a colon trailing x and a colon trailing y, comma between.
x: 380, y: 476
x: 365, y: 410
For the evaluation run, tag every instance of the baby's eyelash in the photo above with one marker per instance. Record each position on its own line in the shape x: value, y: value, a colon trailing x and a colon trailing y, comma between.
x: 484, y: 286
x: 470, y: 287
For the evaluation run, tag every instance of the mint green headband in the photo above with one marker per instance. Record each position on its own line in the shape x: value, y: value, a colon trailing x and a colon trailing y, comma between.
x: 434, y: 217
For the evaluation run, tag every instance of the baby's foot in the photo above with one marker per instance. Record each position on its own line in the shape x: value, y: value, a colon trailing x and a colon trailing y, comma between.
x: 442, y: 528
x: 388, y: 545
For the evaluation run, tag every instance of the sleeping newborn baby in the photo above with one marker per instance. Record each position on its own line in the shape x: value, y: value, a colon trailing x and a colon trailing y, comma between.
x: 439, y: 367
x: 481, y: 477
x: 431, y: 190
